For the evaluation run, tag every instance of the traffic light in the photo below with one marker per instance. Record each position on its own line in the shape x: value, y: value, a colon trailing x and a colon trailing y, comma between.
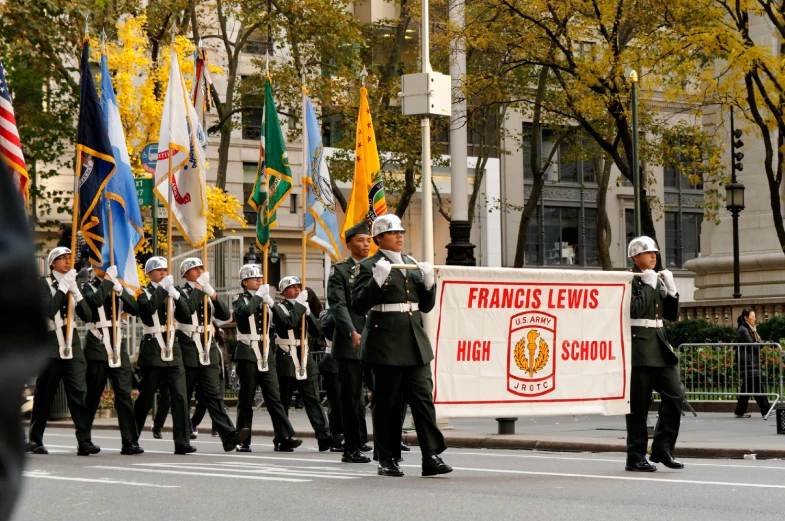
x: 737, y: 156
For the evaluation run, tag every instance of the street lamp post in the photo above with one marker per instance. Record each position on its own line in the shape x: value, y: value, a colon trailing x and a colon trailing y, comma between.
x: 734, y: 199
x: 636, y: 174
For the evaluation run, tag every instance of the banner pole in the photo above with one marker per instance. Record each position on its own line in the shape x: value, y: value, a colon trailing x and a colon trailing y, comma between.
x: 114, y: 295
x: 265, y: 348
x: 74, y: 224
x: 303, y: 337
x: 204, y: 303
x: 169, y: 215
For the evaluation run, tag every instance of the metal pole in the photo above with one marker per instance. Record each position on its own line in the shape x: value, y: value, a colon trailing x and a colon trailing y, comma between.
x: 155, y: 226
x: 636, y: 174
x: 735, y: 214
x: 425, y: 124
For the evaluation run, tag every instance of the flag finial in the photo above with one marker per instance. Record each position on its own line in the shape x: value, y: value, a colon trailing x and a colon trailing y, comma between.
x: 364, y: 74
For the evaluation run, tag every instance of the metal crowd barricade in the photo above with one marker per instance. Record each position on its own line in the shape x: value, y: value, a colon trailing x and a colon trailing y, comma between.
x: 709, y: 370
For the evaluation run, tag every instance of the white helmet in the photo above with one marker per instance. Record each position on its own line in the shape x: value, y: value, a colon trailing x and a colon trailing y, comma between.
x: 155, y: 263
x: 57, y: 252
x: 187, y: 264
x: 386, y: 223
x: 291, y: 280
x: 250, y: 271
x: 641, y: 244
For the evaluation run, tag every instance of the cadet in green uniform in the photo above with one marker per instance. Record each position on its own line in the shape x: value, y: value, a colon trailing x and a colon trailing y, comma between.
x: 161, y: 365
x: 346, y: 344
x: 287, y: 318
x: 654, y: 364
x: 100, y: 341
x: 396, y: 346
x: 328, y: 368
x: 203, y: 363
x: 64, y: 364
x: 249, y: 356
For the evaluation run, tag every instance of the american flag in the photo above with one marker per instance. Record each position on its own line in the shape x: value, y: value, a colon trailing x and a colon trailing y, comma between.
x: 10, y: 146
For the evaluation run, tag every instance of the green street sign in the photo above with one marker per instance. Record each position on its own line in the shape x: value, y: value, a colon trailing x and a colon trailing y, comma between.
x: 144, y: 191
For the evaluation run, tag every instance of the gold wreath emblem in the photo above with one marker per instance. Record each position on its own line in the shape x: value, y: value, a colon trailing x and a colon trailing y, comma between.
x: 530, y: 364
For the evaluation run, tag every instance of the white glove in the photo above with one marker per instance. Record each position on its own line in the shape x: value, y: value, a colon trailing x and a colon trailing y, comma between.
x: 118, y: 288
x: 167, y: 282
x: 426, y: 270
x: 381, y: 271
x: 650, y: 278
x: 172, y: 292
x: 204, y: 279
x: 302, y: 299
x: 111, y: 272
x: 670, y: 285
x: 264, y: 293
x: 73, y: 287
x: 208, y: 289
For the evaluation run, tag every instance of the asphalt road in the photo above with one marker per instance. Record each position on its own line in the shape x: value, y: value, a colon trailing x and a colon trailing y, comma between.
x: 306, y: 484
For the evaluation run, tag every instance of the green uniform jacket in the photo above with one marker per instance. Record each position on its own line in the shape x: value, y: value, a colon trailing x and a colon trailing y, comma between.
x: 327, y: 323
x: 194, y: 298
x: 59, y: 304
x: 650, y: 346
x: 150, y: 350
x: 287, y: 316
x: 339, y: 298
x: 98, y: 293
x: 245, y: 305
x: 393, y: 338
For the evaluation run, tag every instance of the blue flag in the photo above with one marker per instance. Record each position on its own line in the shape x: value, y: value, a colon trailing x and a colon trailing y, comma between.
x: 127, y: 225
x: 321, y: 225
x: 94, y: 163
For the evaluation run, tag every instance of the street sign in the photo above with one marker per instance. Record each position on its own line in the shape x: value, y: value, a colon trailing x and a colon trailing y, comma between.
x: 162, y: 213
x: 150, y: 158
x: 144, y: 191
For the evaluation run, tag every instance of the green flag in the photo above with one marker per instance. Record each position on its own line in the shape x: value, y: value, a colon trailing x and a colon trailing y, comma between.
x: 273, y: 176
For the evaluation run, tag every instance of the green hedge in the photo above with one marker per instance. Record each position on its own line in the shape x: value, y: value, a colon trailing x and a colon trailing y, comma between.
x: 698, y: 331
x: 773, y: 330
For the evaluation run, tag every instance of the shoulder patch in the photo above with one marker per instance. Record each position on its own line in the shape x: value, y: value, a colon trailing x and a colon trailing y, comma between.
x: 236, y: 297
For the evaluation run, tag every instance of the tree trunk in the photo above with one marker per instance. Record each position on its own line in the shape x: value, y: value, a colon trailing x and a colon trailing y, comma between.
x: 409, y: 189
x: 226, y: 128
x: 528, y: 210
x: 604, y: 237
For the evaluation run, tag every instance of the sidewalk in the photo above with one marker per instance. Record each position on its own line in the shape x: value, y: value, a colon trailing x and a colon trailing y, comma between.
x: 710, y: 435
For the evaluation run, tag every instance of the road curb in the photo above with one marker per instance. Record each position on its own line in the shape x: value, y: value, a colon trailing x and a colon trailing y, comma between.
x: 684, y: 450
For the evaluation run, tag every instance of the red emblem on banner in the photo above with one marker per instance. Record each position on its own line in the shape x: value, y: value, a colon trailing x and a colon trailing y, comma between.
x: 531, y: 364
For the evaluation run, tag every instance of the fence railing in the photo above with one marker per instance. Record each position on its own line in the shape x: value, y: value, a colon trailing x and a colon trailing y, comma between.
x: 224, y: 260
x: 730, y: 370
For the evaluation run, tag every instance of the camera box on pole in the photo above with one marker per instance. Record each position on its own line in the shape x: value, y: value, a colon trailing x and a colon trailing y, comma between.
x: 426, y: 94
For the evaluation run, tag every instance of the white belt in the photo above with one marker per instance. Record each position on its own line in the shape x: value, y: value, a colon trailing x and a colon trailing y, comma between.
x: 645, y: 322
x: 95, y: 326
x: 398, y: 307
x: 190, y: 330
x: 286, y: 344
x: 248, y: 338
x: 153, y: 330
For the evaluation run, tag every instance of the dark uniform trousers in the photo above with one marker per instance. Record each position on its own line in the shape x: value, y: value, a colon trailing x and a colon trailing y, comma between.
x: 654, y: 368
x: 286, y: 317
x: 350, y: 378
x: 207, y: 376
x: 332, y: 389
x: 396, y: 347
x: 97, y: 293
x: 251, y: 378
x: 166, y: 377
x: 71, y: 372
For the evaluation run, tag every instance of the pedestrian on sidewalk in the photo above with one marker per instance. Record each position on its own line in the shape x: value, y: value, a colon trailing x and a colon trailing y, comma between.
x: 654, y: 364
x: 749, y: 366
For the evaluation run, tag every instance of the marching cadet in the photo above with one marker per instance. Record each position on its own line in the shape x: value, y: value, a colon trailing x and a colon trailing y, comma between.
x: 287, y: 319
x: 66, y: 364
x: 396, y: 346
x: 107, y: 357
x: 161, y: 363
x: 249, y: 356
x: 346, y: 344
x: 654, y: 364
x: 203, y: 363
x: 328, y: 368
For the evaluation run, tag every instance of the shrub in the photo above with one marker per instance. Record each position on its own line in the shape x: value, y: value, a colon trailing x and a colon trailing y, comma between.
x: 698, y: 331
x: 773, y: 330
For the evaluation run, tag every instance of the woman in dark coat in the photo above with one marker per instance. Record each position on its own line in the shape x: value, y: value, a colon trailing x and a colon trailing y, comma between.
x: 749, y: 365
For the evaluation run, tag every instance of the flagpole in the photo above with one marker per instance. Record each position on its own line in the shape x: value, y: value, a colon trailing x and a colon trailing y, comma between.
x: 114, y: 295
x: 74, y: 224
x: 169, y: 217
x: 265, y: 348
x: 303, y: 337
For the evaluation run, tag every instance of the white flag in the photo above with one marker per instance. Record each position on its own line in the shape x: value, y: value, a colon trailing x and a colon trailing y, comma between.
x: 182, y: 138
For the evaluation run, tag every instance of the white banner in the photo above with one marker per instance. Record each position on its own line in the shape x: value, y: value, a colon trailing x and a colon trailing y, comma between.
x: 529, y: 342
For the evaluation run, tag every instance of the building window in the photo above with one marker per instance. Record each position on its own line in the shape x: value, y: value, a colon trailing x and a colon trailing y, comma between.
x: 332, y: 129
x: 592, y: 254
x: 682, y: 239
x: 249, y: 180
x: 561, y: 235
x: 293, y: 203
x: 252, y: 119
x: 572, y: 163
x: 532, y: 251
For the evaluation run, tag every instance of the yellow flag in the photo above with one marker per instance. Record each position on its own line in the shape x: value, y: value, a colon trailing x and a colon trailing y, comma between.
x: 367, y: 200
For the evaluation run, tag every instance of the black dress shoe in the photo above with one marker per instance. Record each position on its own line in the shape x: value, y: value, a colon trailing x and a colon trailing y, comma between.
x: 36, y: 448
x: 235, y: 439
x: 243, y: 448
x: 185, y: 450
x: 667, y: 459
x: 405, y: 448
x: 355, y: 457
x: 87, y: 448
x: 194, y: 433
x: 337, y: 448
x: 131, y: 448
x: 332, y: 441
x: 157, y: 434
x: 365, y: 448
x: 288, y: 445
x: 434, y: 465
x: 640, y: 466
x: 389, y: 468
